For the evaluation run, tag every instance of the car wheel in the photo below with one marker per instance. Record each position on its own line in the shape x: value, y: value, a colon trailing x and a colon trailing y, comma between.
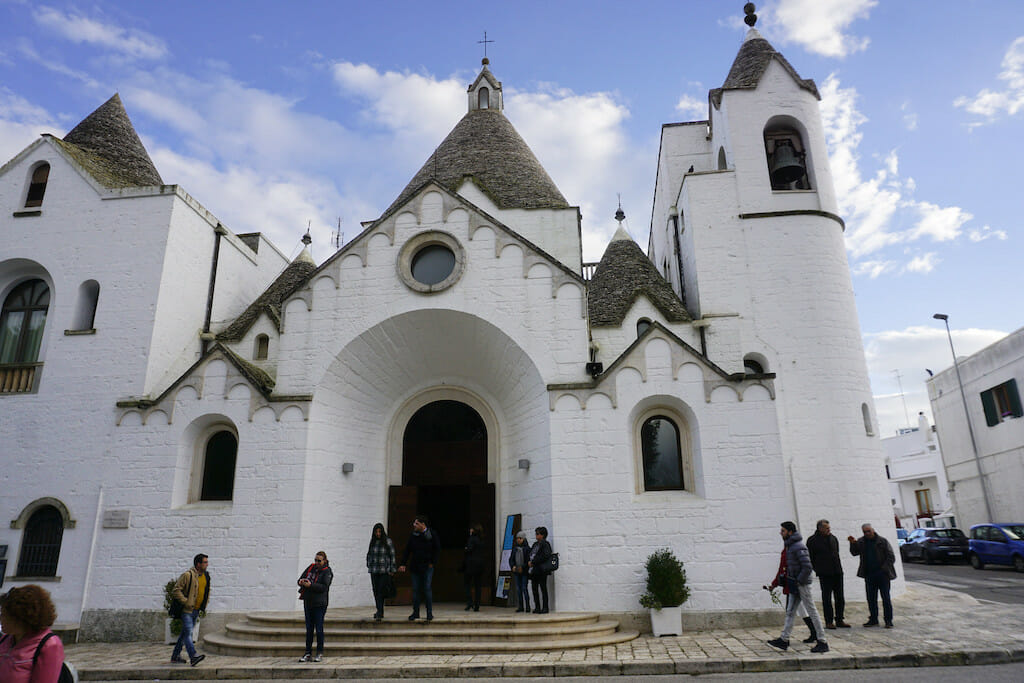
x: 1018, y: 563
x: 976, y: 562
x: 928, y: 557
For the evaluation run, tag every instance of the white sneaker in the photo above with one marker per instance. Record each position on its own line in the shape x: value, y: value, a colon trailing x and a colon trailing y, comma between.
x: 318, y: 658
x: 306, y: 657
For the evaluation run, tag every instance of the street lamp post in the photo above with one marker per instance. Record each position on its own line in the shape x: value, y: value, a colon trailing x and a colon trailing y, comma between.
x: 970, y: 430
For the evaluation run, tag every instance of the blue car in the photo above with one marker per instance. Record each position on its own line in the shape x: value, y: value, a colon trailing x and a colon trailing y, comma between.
x: 997, y: 544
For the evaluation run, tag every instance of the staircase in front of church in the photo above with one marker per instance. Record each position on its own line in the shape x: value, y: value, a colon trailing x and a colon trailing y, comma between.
x: 351, y: 631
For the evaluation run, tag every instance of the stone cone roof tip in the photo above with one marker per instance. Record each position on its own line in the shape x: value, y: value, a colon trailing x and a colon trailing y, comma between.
x: 106, y: 144
x: 291, y: 278
x: 752, y: 60
x: 623, y: 274
x: 304, y: 257
x: 485, y: 146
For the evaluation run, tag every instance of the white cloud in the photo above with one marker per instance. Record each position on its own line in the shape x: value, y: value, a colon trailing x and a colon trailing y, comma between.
x: 982, y: 234
x: 879, y: 210
x: 21, y: 122
x: 694, y: 109
x: 911, y: 351
x: 80, y: 29
x: 989, y: 104
x: 820, y: 26
x: 909, y: 116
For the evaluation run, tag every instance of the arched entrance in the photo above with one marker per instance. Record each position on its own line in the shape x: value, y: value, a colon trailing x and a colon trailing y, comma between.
x: 444, y: 475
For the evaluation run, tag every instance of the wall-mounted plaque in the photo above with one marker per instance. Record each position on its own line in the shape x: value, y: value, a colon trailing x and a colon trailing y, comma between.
x: 116, y: 519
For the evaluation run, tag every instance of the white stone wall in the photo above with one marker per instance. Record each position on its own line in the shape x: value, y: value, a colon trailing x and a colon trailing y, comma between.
x: 1000, y: 447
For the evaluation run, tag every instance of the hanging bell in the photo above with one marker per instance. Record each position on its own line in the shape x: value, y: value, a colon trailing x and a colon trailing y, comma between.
x: 787, y: 166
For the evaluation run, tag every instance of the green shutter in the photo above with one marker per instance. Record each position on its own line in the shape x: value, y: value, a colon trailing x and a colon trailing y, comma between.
x: 988, y: 401
x: 1011, y: 390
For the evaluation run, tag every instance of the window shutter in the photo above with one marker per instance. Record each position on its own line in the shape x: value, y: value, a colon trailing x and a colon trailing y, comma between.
x: 989, y: 403
x: 1011, y: 391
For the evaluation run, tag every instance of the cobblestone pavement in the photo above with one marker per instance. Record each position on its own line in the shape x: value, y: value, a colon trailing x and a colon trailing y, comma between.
x: 934, y: 627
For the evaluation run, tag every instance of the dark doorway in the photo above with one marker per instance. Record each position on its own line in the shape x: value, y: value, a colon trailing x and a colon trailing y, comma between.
x: 444, y: 476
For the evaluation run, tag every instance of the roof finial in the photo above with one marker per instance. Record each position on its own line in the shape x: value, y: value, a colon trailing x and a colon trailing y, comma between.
x: 485, y: 61
x: 751, y: 18
x: 620, y: 215
x: 306, y: 239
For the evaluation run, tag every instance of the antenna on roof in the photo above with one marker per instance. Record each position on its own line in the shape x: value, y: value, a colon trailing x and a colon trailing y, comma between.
x: 620, y: 215
x: 899, y: 381
x: 337, y: 236
x: 751, y: 18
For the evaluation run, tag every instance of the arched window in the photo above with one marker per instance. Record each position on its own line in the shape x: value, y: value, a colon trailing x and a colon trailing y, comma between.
x: 22, y: 322
x: 787, y: 155
x: 866, y: 414
x: 261, y: 348
x: 642, y: 325
x: 37, y: 186
x: 483, y: 100
x: 721, y: 159
x: 662, y: 454
x: 219, y: 467
x: 85, y: 307
x: 40, y: 544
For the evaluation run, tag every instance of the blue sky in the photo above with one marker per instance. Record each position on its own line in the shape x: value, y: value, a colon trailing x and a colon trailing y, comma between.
x: 275, y: 115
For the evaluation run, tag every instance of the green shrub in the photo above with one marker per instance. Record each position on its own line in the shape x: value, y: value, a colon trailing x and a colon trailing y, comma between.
x: 666, y: 581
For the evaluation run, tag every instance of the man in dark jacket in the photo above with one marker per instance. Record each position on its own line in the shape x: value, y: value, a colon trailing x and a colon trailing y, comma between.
x: 421, y: 553
x: 798, y: 577
x: 877, y: 568
x: 824, y: 550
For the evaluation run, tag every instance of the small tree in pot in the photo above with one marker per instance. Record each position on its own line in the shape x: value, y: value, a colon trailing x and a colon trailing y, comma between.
x: 666, y: 592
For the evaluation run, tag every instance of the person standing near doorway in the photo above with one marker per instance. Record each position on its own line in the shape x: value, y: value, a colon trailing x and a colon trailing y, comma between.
x: 314, y: 589
x: 519, y: 562
x: 380, y: 563
x: 420, y: 556
x: 473, y: 567
x: 540, y: 555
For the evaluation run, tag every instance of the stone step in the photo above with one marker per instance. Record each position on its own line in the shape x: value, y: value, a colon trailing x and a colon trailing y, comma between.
x: 504, y: 619
x: 247, y: 630
x: 225, y: 645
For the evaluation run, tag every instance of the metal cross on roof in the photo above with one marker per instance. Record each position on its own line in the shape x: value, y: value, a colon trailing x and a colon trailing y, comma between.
x: 485, y: 41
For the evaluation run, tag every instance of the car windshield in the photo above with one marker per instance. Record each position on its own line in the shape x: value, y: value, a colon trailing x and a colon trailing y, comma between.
x: 902, y: 533
x: 948, y: 533
x: 1014, y: 531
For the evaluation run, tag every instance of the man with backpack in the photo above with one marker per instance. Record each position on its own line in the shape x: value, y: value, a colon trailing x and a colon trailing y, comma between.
x: 191, y: 593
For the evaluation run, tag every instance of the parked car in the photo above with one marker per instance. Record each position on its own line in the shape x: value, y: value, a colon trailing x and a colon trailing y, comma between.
x: 997, y: 544
x: 901, y: 536
x: 931, y: 545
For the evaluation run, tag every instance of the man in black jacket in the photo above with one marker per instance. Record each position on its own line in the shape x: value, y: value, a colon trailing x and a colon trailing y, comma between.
x: 878, y: 569
x: 421, y: 553
x: 824, y: 550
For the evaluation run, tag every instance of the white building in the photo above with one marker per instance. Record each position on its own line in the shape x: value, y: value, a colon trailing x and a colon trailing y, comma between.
x: 917, y: 478
x: 191, y: 392
x: 990, y: 384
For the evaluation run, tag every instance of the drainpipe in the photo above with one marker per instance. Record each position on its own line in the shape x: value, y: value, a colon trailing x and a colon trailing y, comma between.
x: 205, y: 337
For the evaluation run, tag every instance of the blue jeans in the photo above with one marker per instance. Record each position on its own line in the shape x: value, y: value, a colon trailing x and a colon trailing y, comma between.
x: 421, y: 591
x: 874, y: 584
x: 314, y: 621
x: 523, y: 589
x: 188, y: 621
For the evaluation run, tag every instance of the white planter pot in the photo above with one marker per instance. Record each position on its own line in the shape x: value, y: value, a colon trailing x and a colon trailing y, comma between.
x: 170, y: 639
x: 667, y: 621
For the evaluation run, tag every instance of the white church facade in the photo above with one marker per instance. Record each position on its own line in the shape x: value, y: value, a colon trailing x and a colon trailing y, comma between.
x: 169, y: 387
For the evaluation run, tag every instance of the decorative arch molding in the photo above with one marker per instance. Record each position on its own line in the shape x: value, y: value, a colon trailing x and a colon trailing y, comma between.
x: 30, y: 509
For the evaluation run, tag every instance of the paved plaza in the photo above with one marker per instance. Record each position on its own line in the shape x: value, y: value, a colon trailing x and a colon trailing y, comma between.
x: 934, y: 627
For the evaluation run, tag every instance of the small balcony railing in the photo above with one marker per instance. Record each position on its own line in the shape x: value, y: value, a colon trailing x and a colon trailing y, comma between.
x: 18, y: 378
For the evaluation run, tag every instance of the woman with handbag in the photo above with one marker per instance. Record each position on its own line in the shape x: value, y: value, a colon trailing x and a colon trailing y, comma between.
x: 314, y: 585
x: 380, y: 563
x: 540, y: 559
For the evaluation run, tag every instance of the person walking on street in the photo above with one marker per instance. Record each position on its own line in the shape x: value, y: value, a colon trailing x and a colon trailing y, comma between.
x: 314, y: 590
x: 540, y: 554
x: 421, y: 554
x: 824, y: 550
x: 518, y: 562
x: 473, y: 567
x: 878, y: 569
x: 192, y: 590
x: 798, y: 576
x: 380, y: 563
x: 780, y: 580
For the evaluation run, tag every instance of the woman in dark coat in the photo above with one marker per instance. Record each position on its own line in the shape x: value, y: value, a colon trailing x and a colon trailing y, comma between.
x: 519, y: 561
x: 473, y: 567
x: 314, y: 586
x: 380, y: 563
x: 539, y: 556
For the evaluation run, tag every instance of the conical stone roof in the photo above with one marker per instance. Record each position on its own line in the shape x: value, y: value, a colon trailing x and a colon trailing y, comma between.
x: 106, y: 144
x: 623, y: 274
x: 752, y: 61
x: 269, y: 302
x: 485, y: 146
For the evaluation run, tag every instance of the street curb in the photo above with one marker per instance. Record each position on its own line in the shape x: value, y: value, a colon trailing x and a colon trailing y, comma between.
x: 560, y: 669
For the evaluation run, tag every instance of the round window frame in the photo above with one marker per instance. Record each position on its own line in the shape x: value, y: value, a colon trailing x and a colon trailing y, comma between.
x: 429, y: 239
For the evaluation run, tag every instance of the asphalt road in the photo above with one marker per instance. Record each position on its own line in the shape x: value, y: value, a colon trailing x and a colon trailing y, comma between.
x: 993, y: 583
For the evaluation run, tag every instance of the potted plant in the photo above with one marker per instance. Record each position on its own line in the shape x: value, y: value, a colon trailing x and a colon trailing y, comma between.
x: 172, y: 627
x: 666, y: 592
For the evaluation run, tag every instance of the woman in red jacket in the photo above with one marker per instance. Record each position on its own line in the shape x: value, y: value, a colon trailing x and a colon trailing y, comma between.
x: 26, y: 615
